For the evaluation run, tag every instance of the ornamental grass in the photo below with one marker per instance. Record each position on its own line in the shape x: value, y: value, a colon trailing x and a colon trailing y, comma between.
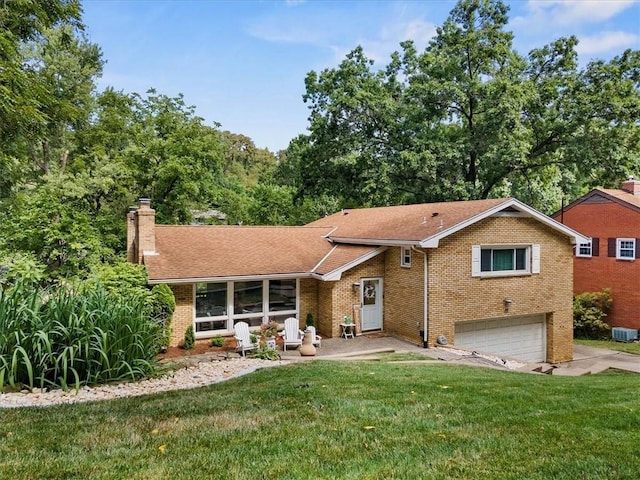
x: 68, y: 337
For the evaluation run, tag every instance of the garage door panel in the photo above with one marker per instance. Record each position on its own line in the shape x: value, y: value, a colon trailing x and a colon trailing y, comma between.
x: 518, y: 337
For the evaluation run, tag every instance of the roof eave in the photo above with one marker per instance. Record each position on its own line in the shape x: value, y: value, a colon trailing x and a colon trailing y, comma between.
x: 575, y: 237
x: 336, y: 274
x: 274, y: 276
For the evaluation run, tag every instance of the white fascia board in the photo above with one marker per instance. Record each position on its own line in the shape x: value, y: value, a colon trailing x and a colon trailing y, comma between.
x: 337, y: 273
x: 575, y: 237
x: 237, y: 278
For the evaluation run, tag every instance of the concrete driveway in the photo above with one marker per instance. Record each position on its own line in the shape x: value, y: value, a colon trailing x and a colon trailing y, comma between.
x: 595, y: 360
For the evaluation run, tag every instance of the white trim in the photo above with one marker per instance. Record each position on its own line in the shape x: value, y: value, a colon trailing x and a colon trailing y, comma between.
x: 425, y: 314
x: 476, y: 259
x: 337, y: 273
x: 584, y: 255
x: 619, y: 248
x: 530, y: 258
x: 389, y: 242
x: 324, y: 258
x: 241, y: 278
x: 575, y: 237
x: 404, y: 252
x: 535, y: 258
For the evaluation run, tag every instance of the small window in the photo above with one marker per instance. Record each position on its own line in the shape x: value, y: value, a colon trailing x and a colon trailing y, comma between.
x: 503, y: 260
x: 405, y: 257
x: 584, y: 250
x: 625, y: 248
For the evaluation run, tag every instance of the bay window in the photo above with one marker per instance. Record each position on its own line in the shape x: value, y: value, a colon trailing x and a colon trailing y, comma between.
x: 220, y: 305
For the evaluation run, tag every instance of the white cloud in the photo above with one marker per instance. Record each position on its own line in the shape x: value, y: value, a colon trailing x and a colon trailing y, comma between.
x: 604, y: 42
x: 570, y: 12
x: 380, y: 46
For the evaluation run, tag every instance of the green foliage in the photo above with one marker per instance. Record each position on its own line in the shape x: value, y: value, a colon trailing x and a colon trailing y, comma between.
x: 122, y: 278
x: 468, y: 118
x: 589, y: 311
x: 20, y: 267
x: 216, y: 341
x: 310, y: 322
x: 51, y: 224
x: 431, y: 421
x: 161, y: 304
x: 189, y: 340
x: 264, y: 354
x: 68, y: 336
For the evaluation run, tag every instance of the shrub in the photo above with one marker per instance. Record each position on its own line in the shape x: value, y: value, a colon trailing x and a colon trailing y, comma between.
x: 265, y: 354
x: 70, y: 337
x: 189, y: 338
x: 123, y: 278
x: 161, y: 304
x: 589, y: 311
x: 216, y: 341
x: 310, y: 322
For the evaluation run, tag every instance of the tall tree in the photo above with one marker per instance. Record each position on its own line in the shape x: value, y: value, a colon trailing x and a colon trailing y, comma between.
x: 22, y: 92
x: 470, y: 118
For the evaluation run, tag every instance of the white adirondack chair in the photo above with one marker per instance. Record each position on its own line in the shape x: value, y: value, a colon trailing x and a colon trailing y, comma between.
x: 292, y: 334
x: 315, y: 339
x: 243, y: 337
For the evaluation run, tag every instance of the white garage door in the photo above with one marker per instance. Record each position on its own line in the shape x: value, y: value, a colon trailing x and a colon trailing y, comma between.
x: 523, y: 338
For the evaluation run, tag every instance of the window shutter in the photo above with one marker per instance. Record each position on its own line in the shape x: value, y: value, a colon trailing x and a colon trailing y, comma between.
x: 637, y: 247
x: 612, y: 248
x: 475, y: 261
x: 595, y: 247
x: 535, y: 258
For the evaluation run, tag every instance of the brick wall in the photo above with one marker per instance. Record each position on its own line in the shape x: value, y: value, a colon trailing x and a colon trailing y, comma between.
x: 454, y: 295
x: 308, y: 301
x: 603, y: 221
x: 183, y: 314
x: 336, y: 299
x: 404, y: 296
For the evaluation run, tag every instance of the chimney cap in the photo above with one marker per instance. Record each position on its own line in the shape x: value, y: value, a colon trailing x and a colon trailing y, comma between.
x: 630, y: 177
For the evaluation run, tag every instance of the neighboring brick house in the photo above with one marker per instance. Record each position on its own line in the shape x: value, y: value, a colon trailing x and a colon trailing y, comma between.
x: 490, y: 275
x: 611, y: 258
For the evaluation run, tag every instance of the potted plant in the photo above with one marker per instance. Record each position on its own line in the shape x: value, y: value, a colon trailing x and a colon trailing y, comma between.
x: 268, y: 332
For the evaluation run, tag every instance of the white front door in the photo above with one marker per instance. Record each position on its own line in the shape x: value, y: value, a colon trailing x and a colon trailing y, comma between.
x: 371, y: 301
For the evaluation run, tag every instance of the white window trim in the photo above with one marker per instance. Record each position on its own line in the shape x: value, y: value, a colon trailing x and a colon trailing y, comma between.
x: 588, y: 245
x: 619, y: 248
x: 405, y: 257
x: 231, y: 316
x: 532, y: 260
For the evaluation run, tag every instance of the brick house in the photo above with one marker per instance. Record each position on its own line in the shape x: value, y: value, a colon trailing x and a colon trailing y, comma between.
x: 491, y: 275
x: 610, y: 259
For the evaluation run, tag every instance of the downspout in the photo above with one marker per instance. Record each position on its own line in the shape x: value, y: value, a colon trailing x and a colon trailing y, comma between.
x: 425, y: 320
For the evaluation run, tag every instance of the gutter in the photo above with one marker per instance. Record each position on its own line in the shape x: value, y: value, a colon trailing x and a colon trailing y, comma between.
x: 425, y: 319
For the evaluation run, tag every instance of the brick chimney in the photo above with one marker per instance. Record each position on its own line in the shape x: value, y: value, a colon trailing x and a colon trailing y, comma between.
x: 141, y: 234
x: 631, y: 186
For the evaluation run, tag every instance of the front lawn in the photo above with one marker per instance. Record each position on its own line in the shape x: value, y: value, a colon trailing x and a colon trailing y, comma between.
x: 351, y: 420
x: 611, y: 345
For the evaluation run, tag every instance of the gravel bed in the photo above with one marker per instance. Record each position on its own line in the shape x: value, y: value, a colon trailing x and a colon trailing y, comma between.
x: 193, y: 376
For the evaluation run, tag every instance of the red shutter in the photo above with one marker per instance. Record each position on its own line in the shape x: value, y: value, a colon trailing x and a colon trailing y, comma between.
x: 595, y: 247
x: 612, y: 248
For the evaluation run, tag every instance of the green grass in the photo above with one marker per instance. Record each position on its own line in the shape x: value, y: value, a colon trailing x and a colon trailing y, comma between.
x: 333, y: 420
x: 633, y: 348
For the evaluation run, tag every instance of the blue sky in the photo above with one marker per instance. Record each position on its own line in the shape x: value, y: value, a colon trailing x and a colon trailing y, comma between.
x: 243, y: 63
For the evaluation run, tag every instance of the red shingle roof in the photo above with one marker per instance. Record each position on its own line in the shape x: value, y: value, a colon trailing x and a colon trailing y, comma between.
x: 189, y: 253
x: 405, y: 223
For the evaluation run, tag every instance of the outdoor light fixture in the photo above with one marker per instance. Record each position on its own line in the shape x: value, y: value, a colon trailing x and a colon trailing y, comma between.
x: 355, y: 286
x: 507, y: 304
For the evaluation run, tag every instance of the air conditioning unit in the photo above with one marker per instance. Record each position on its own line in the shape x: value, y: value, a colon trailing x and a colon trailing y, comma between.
x: 620, y: 334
